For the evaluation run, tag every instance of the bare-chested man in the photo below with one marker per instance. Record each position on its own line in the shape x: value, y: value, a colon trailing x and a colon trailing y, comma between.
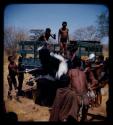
x: 99, y: 75
x: 78, y: 82
x: 45, y: 37
x: 63, y: 38
x: 78, y: 78
x: 92, y: 82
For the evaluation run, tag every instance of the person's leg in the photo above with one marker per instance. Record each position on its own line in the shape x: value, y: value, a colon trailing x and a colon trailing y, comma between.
x: 61, y: 48
x: 65, y: 49
x: 14, y: 82
x: 99, y: 97
x: 15, y: 86
x: 96, y: 99
x: 10, y: 86
x: 71, y: 119
x: 84, y: 113
x: 20, y: 82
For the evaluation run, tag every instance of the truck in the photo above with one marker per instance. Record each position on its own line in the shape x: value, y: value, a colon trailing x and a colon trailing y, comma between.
x: 30, y: 55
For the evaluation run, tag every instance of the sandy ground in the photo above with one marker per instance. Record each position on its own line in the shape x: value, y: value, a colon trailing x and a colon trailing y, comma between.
x: 27, y: 111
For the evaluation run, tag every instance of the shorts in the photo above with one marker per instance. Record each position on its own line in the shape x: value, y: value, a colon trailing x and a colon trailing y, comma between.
x: 63, y: 40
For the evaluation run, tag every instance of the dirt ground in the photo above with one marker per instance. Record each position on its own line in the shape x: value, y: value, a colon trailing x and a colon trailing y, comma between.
x: 28, y: 111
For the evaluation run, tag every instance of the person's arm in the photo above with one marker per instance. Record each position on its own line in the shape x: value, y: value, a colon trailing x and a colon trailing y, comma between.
x: 67, y: 35
x: 59, y: 35
x: 87, y: 69
x: 98, y: 65
x: 93, y: 81
x: 86, y: 82
x: 16, y: 68
x: 44, y: 37
x: 53, y: 36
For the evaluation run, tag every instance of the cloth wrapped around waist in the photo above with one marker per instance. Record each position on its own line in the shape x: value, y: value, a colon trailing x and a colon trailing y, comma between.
x: 67, y: 103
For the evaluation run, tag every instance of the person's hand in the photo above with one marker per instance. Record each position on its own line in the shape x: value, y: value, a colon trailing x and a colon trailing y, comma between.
x: 87, y: 69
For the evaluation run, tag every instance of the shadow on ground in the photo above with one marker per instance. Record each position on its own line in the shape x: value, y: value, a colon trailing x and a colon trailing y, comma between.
x: 96, y: 117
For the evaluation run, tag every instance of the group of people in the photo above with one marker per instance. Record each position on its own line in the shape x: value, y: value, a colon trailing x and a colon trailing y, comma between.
x: 15, y: 70
x: 86, y: 78
x: 83, y: 91
x: 63, y: 37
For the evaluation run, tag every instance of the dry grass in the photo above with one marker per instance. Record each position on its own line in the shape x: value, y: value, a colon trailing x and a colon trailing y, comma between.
x: 25, y: 109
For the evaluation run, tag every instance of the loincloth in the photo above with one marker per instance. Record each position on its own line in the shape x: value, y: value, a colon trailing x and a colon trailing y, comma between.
x: 68, y: 103
x: 85, y: 100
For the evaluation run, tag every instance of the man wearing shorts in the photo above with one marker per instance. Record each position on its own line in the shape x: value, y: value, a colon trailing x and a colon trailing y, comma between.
x: 63, y: 38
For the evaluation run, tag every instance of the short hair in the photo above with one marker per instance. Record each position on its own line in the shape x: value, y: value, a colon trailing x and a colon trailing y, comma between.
x: 48, y: 30
x: 76, y: 62
x: 9, y: 58
x: 64, y: 23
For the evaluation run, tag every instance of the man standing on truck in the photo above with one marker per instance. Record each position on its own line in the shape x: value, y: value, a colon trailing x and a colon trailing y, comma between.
x: 63, y: 38
x: 46, y: 35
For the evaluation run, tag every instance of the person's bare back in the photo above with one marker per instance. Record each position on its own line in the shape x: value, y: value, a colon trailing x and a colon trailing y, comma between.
x: 78, y: 81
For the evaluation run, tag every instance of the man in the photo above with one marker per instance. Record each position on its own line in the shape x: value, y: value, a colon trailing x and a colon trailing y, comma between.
x: 45, y: 37
x: 90, y: 76
x: 100, y: 76
x: 94, y: 75
x: 12, y: 67
x: 63, y: 38
x: 72, y: 55
x: 100, y: 67
x: 71, y: 101
x: 92, y: 82
x: 79, y: 83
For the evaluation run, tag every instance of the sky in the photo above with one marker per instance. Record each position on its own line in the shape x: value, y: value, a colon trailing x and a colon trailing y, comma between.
x: 42, y: 16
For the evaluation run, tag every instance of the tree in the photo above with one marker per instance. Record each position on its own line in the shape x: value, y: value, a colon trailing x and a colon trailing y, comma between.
x: 36, y: 33
x: 11, y: 38
x: 103, y: 24
x: 87, y: 33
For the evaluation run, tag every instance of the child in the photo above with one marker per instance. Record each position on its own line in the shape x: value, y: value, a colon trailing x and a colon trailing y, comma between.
x: 12, y: 67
